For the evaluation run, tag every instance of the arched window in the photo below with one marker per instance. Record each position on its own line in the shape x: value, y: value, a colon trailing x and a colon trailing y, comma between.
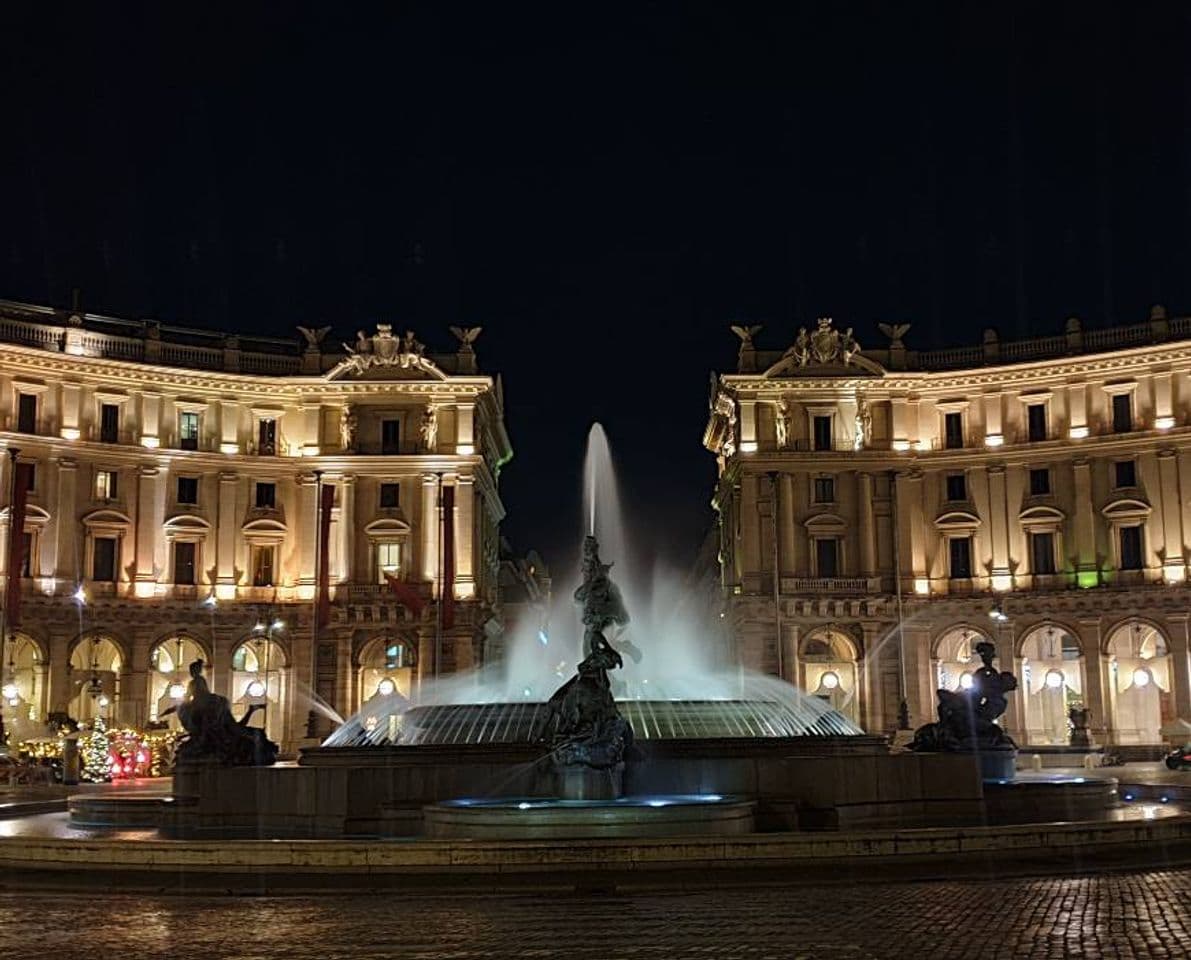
x: 955, y: 657
x: 386, y: 667
x: 24, y: 687
x: 260, y: 678
x: 828, y: 665
x: 1052, y: 683
x: 95, y: 665
x: 169, y: 674
x: 1139, y: 682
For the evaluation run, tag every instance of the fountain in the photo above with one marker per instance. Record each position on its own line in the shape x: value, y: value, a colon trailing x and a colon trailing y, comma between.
x: 652, y: 734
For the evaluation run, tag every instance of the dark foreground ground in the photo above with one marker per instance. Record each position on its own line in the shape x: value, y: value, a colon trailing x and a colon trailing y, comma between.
x: 1115, y: 916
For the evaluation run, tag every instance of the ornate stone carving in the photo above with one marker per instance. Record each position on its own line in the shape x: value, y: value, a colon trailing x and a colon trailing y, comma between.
x: 428, y: 428
x: 864, y: 423
x: 313, y: 337
x: 466, y: 337
x: 212, y: 734
x: 348, y: 427
x: 782, y: 423
x: 725, y: 409
x: 966, y: 717
x: 895, y: 332
x: 383, y: 349
x: 824, y: 345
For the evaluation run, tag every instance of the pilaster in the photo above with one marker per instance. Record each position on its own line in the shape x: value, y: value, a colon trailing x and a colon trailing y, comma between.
x: 66, y: 560
x: 148, y: 530
x: 464, y: 520
x: 225, y: 550
x: 429, y: 525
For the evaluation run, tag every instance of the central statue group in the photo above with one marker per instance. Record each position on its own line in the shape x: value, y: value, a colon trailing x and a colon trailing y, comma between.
x: 582, y: 724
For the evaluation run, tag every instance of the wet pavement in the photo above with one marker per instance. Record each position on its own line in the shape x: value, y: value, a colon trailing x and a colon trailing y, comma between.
x: 1117, y: 916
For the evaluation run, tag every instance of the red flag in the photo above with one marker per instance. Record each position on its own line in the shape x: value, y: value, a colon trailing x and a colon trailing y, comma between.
x: 407, y: 594
x: 326, y: 505
x: 447, y: 594
x: 22, y: 481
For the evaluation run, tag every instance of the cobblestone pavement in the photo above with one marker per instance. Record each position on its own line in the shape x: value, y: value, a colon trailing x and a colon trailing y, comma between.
x: 1118, y: 916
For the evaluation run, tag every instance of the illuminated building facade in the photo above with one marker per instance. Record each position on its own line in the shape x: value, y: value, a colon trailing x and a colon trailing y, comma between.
x: 310, y: 521
x: 1035, y: 493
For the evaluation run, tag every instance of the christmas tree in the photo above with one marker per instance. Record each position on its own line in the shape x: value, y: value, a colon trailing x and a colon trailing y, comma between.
x: 95, y: 750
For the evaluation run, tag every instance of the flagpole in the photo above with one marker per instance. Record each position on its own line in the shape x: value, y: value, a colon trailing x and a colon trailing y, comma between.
x: 13, y: 452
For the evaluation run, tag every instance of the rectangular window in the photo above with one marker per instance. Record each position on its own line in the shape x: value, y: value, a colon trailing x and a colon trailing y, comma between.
x: 105, y: 559
x: 106, y: 484
x: 262, y: 566
x: 266, y: 438
x: 1036, y: 421
x: 827, y: 557
x: 389, y: 494
x: 184, y: 563
x: 388, y: 560
x: 1122, y: 413
x: 32, y: 475
x: 957, y: 487
x: 822, y: 432
x: 1039, y: 482
x: 961, y: 557
x: 390, y: 436
x: 266, y: 495
x: 27, y: 413
x: 824, y: 489
x: 188, y: 430
x: 1042, y: 553
x: 1131, y: 548
x: 1125, y: 473
x: 188, y: 490
x: 109, y: 423
x: 953, y: 430
x: 26, y: 560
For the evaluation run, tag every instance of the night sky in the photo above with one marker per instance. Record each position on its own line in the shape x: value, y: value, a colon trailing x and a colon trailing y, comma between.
x: 604, y: 189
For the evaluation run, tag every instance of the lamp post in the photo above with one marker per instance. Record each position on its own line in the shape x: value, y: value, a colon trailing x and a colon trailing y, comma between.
x: 777, y: 578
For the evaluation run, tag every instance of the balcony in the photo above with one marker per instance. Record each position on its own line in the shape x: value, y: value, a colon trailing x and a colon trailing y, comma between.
x: 833, y: 586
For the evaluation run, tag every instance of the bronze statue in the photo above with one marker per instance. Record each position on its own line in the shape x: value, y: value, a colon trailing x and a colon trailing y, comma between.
x: 212, y: 733
x: 966, y: 717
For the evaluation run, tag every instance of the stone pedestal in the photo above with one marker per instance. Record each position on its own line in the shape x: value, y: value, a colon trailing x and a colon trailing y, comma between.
x: 577, y: 782
x: 997, y: 764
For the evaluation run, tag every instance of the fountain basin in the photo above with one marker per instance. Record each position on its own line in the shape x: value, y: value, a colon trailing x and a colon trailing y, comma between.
x: 120, y: 810
x: 553, y: 819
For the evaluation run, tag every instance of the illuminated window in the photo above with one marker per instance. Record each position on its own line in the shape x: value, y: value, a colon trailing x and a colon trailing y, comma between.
x: 266, y: 439
x: 106, y: 484
x: 188, y: 430
x: 388, y: 560
x: 262, y: 566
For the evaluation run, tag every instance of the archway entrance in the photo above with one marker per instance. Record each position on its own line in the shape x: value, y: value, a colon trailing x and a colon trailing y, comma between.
x: 260, y: 678
x: 95, y: 665
x: 955, y: 658
x: 169, y: 675
x: 828, y: 664
x: 1139, y: 682
x: 1052, y: 683
x: 385, y: 667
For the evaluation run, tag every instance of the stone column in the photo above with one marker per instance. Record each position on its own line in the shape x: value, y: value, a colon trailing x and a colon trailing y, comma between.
x: 68, y: 560
x: 41, y: 675
x: 1077, y: 406
x: 311, y: 414
x: 429, y: 524
x: 785, y: 520
x: 227, y: 512
x: 998, y: 527
x: 150, y: 418
x: 748, y: 426
x: 71, y: 424
x: 750, y: 535
x: 1085, y: 530
x: 1172, y: 526
x: 1180, y: 663
x: 148, y: 531
x: 347, y: 528
x: 464, y: 520
x: 1095, y: 680
x: 305, y: 528
x: 867, y: 533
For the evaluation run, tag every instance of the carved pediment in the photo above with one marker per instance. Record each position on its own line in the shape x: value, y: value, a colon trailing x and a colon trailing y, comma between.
x: 386, y: 356
x: 823, y: 352
x: 957, y: 521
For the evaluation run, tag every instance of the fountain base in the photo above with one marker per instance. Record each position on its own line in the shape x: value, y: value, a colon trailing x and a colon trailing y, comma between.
x: 578, y: 782
x: 544, y: 819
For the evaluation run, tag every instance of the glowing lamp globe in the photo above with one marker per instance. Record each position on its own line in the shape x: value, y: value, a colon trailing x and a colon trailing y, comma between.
x: 830, y: 680
x: 1054, y: 679
x: 386, y: 688
x: 966, y: 681
x: 256, y: 688
x: 9, y: 691
x: 104, y: 701
x: 177, y: 691
x: 1141, y: 677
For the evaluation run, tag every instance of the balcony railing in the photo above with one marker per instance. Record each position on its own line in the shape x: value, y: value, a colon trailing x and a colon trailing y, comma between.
x: 830, y: 585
